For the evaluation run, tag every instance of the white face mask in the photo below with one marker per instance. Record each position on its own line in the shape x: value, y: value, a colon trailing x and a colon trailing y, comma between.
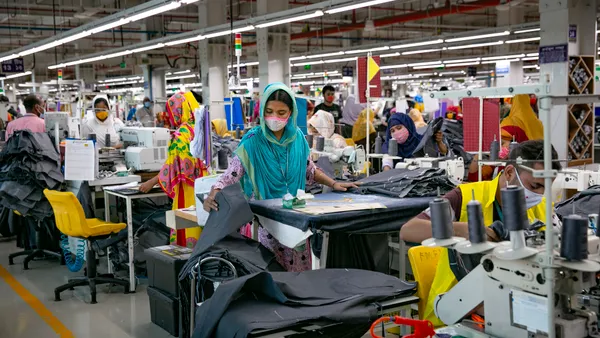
x: 275, y: 123
x: 531, y: 198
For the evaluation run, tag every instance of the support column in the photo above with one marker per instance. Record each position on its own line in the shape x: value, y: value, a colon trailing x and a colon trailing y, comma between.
x: 555, y: 17
x: 273, y: 47
x: 509, y: 73
x: 213, y: 66
x: 159, y: 84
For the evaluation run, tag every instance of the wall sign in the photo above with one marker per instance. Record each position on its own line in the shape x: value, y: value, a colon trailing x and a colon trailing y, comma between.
x: 13, y: 66
x: 554, y: 54
x: 572, y: 33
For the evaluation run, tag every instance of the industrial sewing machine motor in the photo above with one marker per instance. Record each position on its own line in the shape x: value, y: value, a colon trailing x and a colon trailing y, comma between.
x: 511, y: 282
x: 146, y: 148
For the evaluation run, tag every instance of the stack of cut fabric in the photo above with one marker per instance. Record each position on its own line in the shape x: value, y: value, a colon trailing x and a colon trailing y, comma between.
x: 401, y: 183
x: 29, y: 163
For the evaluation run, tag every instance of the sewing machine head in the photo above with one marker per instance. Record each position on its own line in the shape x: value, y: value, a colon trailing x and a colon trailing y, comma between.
x: 146, y: 147
x: 148, y: 137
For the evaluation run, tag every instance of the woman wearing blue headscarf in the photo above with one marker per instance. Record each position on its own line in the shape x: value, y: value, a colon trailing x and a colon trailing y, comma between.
x: 272, y: 160
x: 402, y: 129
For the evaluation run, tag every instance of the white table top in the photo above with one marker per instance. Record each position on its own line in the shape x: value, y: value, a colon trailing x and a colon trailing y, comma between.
x: 115, y: 180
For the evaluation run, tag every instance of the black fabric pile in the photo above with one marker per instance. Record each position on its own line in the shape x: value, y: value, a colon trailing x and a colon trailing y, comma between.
x: 421, y: 182
x: 245, y: 255
x: 228, y: 144
x: 583, y: 203
x: 453, y: 132
x: 280, y: 299
x: 29, y: 163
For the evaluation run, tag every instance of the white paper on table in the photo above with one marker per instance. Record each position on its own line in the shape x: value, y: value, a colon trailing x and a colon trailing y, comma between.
x: 287, y: 235
x: 80, y: 159
x: 130, y: 185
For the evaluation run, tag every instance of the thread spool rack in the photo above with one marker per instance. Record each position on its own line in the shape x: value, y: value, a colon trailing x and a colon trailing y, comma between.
x: 581, y: 117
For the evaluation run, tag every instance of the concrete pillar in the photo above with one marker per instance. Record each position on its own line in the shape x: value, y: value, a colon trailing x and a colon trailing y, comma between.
x: 213, y: 58
x: 273, y: 46
x: 555, y: 18
x: 158, y: 84
x: 509, y: 73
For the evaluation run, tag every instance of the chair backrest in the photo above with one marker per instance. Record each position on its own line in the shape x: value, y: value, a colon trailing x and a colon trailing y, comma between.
x: 424, y: 261
x: 68, y: 213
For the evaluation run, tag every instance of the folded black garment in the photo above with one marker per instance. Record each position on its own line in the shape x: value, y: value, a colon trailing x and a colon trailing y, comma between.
x: 422, y: 182
x: 234, y: 212
x: 279, y: 299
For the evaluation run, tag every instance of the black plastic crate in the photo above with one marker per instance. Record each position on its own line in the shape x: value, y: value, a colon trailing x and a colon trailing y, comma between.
x: 164, y: 310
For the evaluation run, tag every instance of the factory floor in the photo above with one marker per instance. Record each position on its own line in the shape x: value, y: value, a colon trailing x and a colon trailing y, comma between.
x: 28, y: 309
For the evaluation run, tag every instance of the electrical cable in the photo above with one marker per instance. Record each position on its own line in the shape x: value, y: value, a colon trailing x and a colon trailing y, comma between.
x: 76, y: 264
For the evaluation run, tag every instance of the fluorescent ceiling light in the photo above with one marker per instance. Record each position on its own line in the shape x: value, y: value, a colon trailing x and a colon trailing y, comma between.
x: 496, y: 61
x: 294, y: 58
x: 188, y: 1
x: 180, y: 77
x: 462, y: 64
x: 522, y: 40
x: 425, y: 63
x: 74, y: 37
x: 422, y: 51
x: 40, y: 48
x: 143, y: 49
x: 292, y: 19
x: 114, y: 55
x: 308, y: 63
x: 62, y: 65
x: 227, y: 32
x: 389, y: 55
x: 9, y: 57
x: 463, y: 60
x: 533, y: 54
x: 527, y: 31
x: 532, y: 66
x: 179, y: 42
x: 439, y: 65
x: 115, y: 80
x: 324, y: 55
x: 18, y: 75
x: 417, y: 44
x: 340, y: 60
x: 134, y: 78
x: 253, y: 63
x: 452, y: 73
x: 110, y: 25
x: 182, y: 72
x: 393, y: 66
x: 503, y: 57
x: 154, y: 11
x: 476, y: 37
x: 355, y: 6
x: 367, y: 50
x: 531, y: 58
x: 475, y: 45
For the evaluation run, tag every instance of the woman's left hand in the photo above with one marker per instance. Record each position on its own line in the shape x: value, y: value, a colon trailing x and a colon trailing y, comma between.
x: 344, y: 186
x: 439, y: 137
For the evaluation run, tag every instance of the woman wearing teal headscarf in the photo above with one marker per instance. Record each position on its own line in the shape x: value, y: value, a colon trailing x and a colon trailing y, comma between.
x: 271, y: 161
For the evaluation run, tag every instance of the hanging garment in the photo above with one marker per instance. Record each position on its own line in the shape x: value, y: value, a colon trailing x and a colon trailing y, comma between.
x: 421, y: 182
x: 275, y: 300
x: 29, y: 163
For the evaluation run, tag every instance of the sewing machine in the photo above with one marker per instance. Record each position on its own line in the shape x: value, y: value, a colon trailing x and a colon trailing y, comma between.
x: 146, y: 148
x: 511, y: 284
x: 346, y: 159
x: 455, y: 168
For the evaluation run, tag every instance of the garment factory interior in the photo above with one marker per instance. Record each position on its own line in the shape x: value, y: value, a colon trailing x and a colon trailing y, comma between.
x: 299, y: 168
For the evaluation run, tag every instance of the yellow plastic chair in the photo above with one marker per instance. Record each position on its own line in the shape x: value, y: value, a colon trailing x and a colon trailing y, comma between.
x: 71, y: 221
x: 423, y: 261
x: 350, y: 142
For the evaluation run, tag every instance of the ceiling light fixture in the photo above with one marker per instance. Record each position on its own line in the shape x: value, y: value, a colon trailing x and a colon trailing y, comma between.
x: 527, y: 30
x: 496, y: 61
x: 531, y: 58
x: 323, y: 55
x: 295, y: 58
x: 143, y: 49
x: 356, y: 6
x: 417, y: 44
x: 316, y: 14
x: 463, y: 60
x: 523, y: 40
x: 339, y: 60
x: 18, y: 75
x: 461, y: 64
x: 475, y: 45
x: 389, y: 55
x: 155, y: 11
x: 377, y: 49
x: 393, y: 66
x: 180, y: 77
x: 503, y: 57
x: 439, y: 65
x: 425, y: 63
x: 227, y: 32
x: 476, y: 37
x: 422, y: 51
x: 179, y: 42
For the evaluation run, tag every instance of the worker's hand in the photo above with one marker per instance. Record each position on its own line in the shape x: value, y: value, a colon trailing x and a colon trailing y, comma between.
x: 146, y: 186
x: 439, y: 137
x: 492, y: 236
x: 343, y: 186
x: 209, y: 201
